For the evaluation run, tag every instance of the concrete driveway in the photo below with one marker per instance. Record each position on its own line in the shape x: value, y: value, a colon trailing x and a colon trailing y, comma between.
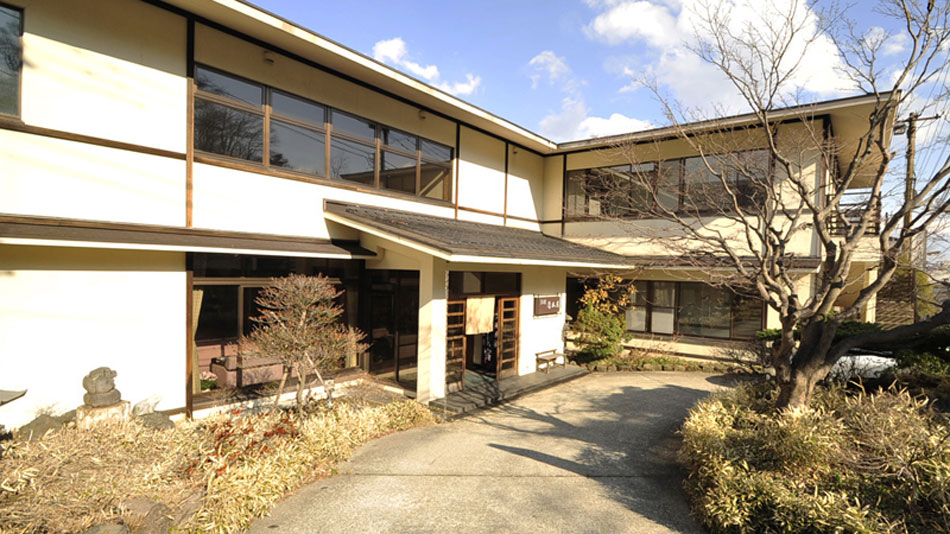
x: 592, y: 455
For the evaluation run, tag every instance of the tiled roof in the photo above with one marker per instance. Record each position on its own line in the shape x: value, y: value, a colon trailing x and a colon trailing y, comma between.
x: 465, y: 238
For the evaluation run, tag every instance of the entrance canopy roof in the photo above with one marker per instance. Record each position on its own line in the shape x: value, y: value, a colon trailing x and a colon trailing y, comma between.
x: 57, y: 232
x: 471, y: 242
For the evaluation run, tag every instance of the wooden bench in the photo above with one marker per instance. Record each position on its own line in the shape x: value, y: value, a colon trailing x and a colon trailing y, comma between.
x: 549, y: 359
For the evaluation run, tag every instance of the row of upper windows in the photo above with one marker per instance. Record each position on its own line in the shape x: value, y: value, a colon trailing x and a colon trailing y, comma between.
x: 691, y: 185
x: 241, y: 119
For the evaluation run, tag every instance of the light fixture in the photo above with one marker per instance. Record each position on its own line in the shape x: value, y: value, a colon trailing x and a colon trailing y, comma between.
x: 422, y: 115
x: 269, y: 57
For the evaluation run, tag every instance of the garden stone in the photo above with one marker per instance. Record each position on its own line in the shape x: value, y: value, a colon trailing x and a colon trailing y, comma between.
x: 157, y: 521
x: 611, y: 368
x: 101, y: 400
x: 66, y: 418
x: 108, y: 528
x: 39, y: 427
x: 146, y: 406
x: 101, y: 380
x: 649, y: 367
x: 189, y: 506
x: 156, y: 420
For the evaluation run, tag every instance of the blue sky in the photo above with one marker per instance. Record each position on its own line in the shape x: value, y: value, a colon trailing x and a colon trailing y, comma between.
x: 561, y: 68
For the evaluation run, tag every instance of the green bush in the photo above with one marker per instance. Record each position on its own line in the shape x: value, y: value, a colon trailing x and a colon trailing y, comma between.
x: 600, y: 334
x: 848, y: 463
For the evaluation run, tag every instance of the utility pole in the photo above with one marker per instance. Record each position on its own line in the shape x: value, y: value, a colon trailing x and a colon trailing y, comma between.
x: 910, y: 191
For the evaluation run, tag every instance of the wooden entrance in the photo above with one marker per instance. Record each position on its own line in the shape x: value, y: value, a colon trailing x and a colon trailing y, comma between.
x: 455, y: 345
x: 507, y: 337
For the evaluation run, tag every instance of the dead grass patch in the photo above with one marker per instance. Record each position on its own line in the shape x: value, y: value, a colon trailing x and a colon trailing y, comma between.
x: 244, y: 463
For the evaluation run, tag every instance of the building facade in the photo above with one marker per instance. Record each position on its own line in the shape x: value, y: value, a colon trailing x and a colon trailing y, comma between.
x: 160, y: 162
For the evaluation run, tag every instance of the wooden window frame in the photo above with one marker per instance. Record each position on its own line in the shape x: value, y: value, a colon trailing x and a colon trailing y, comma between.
x: 648, y: 305
x: 19, y: 80
x: 265, y: 110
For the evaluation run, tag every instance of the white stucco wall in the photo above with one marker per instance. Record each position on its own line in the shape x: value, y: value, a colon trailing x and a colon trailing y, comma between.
x: 111, y: 68
x: 65, y: 312
x: 56, y: 178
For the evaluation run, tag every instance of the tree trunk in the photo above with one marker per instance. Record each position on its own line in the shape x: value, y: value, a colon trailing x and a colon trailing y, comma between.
x: 280, y: 388
x: 301, y: 385
x: 798, y: 389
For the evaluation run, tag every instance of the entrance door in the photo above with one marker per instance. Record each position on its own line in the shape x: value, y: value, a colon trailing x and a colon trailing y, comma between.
x: 393, y: 322
x: 507, y: 337
x: 455, y: 345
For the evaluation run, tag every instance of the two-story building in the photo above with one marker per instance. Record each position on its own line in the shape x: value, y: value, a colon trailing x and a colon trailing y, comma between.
x: 161, y: 161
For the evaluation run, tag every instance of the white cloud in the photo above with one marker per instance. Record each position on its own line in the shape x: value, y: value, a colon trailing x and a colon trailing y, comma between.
x: 613, y: 125
x: 394, y: 52
x: 572, y: 122
x: 547, y: 61
x: 465, y: 88
x: 663, y: 31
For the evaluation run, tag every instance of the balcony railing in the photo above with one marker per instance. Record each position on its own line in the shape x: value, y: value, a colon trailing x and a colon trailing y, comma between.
x: 856, y: 204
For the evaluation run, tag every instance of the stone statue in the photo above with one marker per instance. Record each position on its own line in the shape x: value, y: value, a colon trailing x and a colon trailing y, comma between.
x: 100, y: 388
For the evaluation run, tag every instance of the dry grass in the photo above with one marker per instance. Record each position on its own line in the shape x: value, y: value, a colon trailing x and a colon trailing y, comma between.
x: 73, y: 479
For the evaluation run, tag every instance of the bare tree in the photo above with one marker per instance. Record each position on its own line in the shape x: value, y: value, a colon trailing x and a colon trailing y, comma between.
x: 742, y: 214
x: 299, y: 324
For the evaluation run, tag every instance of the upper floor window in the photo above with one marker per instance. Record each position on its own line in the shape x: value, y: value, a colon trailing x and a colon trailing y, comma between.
x: 11, y: 27
x: 245, y: 120
x: 691, y: 184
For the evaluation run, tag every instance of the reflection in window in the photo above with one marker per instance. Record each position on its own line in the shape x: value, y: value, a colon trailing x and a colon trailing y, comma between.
x: 435, y: 181
x: 693, y: 308
x: 435, y: 151
x: 218, y: 318
x: 397, y: 172
x: 400, y: 140
x: 228, y: 131
x: 352, y: 161
x: 229, y: 86
x: 297, y: 108
x: 704, y: 311
x: 9, y: 60
x: 346, y: 123
x: 300, y: 149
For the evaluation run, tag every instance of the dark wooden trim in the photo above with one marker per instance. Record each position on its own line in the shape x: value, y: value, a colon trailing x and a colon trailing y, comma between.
x: 19, y: 89
x: 483, y: 212
x: 248, y: 166
x: 19, y: 126
x: 103, y: 225
x: 505, y: 208
x: 525, y: 219
x: 189, y: 340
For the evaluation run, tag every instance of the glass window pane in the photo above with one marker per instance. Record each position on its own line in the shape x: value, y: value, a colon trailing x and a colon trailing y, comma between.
x: 435, y: 151
x: 251, y: 309
x: 661, y: 321
x: 397, y: 173
x: 297, y: 148
x: 216, y: 265
x: 640, y: 292
x: 351, y: 161
x: 668, y: 184
x: 346, y: 123
x: 9, y: 60
x: 664, y: 293
x: 297, y: 108
x: 747, y: 316
x: 576, y: 196
x: 218, y: 318
x: 636, y: 318
x: 435, y: 181
x: 702, y: 188
x: 704, y: 310
x: 228, y: 131
x: 400, y: 140
x: 229, y: 86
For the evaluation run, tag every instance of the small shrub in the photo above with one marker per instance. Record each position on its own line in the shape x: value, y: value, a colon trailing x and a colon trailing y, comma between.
x: 600, y: 334
x: 847, y: 463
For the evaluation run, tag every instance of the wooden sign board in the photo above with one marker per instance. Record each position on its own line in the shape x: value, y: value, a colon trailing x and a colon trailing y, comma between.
x: 547, y: 305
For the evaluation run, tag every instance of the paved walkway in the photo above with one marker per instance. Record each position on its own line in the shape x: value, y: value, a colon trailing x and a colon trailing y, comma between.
x: 592, y: 455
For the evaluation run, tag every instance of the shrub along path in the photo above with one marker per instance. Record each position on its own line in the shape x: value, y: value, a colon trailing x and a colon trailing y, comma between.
x: 593, y: 455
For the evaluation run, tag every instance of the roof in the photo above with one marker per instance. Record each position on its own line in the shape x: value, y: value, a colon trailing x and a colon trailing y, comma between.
x: 55, y: 232
x: 466, y: 241
x: 289, y: 38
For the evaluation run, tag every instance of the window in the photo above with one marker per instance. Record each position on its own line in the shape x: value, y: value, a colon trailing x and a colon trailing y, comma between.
x: 11, y: 27
x: 242, y: 119
x: 463, y: 283
x: 685, y: 184
x: 693, y: 309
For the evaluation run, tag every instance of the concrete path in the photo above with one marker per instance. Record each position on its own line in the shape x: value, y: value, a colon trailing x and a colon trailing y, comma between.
x: 592, y: 455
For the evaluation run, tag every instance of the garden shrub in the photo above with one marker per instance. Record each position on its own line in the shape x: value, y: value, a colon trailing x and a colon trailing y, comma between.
x: 850, y: 462
x: 600, y: 334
